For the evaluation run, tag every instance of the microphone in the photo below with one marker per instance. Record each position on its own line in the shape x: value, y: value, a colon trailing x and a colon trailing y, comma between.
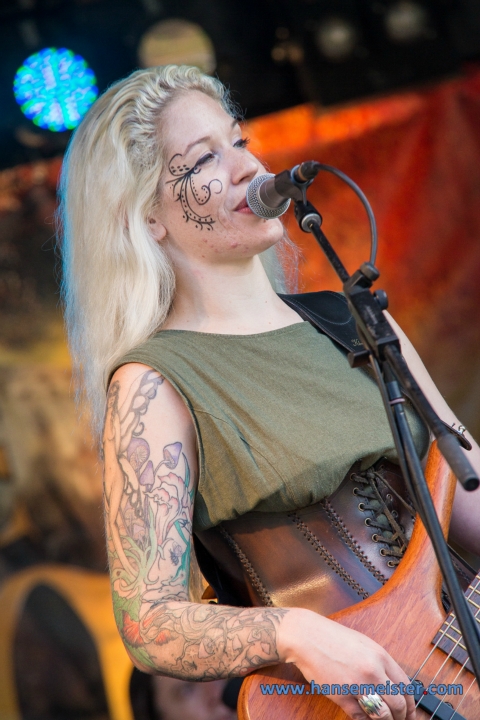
x: 268, y: 195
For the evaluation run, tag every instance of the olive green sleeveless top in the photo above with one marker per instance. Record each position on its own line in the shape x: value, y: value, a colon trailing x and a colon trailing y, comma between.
x: 280, y: 416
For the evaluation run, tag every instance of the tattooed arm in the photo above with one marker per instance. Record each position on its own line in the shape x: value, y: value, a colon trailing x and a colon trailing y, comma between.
x: 150, y: 460
x: 150, y: 479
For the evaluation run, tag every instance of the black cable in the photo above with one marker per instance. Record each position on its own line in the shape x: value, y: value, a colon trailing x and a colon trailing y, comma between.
x: 387, y: 391
x: 366, y: 205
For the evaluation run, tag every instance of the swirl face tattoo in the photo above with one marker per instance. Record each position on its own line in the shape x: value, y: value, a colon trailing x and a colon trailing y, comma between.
x: 187, y: 193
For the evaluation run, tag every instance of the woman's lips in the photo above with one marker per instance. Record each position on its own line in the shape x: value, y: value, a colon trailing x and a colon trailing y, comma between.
x: 243, y: 206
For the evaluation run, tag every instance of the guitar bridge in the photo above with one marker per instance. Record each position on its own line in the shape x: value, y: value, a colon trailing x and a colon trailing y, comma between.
x: 436, y: 706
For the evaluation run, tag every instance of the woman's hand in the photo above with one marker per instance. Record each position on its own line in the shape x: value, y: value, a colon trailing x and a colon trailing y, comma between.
x: 328, y: 653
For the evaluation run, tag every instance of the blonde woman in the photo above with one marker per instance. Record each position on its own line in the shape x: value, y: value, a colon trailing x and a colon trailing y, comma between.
x: 220, y: 399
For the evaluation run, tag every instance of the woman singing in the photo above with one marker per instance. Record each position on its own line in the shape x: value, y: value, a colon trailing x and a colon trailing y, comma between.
x: 222, y: 403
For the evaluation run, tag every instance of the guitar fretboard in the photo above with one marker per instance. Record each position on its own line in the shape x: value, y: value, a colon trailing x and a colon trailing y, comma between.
x: 449, y: 638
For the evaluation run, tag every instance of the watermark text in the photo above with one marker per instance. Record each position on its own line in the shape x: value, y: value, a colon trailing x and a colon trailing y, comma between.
x: 365, y: 689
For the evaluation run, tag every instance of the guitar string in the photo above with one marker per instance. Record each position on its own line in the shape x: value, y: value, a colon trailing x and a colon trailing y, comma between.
x: 456, y: 642
x: 444, y: 633
x: 463, y: 698
x: 442, y: 701
x: 435, y: 646
x: 472, y: 589
x: 456, y: 711
x: 449, y: 625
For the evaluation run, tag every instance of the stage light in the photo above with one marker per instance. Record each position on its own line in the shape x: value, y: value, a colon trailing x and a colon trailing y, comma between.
x: 336, y: 38
x: 406, y: 21
x: 178, y: 42
x: 55, y: 88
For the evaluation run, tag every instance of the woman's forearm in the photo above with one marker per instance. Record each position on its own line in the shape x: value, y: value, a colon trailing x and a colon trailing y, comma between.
x: 203, y: 642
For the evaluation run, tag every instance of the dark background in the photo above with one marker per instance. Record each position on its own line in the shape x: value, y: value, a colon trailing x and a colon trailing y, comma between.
x: 266, y: 50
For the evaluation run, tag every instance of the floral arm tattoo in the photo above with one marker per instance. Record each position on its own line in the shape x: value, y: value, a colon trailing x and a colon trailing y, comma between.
x: 149, y: 509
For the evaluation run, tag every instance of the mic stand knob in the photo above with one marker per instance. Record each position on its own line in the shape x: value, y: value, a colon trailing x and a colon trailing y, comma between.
x: 382, y: 298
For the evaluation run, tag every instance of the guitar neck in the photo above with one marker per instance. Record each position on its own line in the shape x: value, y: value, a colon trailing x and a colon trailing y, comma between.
x: 449, y: 638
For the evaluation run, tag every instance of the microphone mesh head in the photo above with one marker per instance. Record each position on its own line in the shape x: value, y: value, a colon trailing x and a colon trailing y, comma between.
x: 257, y: 206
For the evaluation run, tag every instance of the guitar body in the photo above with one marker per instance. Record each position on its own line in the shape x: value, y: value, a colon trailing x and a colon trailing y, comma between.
x: 403, y: 617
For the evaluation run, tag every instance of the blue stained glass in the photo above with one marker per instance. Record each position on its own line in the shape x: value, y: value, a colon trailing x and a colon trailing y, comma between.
x: 55, y: 88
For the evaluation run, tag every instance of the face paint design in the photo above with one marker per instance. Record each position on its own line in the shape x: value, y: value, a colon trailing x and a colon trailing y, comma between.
x: 185, y: 191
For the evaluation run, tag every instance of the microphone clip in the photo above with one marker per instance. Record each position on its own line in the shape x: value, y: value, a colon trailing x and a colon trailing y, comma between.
x: 294, y: 183
x: 306, y: 214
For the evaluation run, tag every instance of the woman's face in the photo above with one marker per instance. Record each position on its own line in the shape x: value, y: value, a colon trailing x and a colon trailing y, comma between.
x: 203, y: 213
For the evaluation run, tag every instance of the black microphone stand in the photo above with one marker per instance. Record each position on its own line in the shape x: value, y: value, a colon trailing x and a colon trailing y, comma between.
x: 382, y: 349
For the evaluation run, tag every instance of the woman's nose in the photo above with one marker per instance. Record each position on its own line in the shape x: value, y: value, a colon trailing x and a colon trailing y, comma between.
x: 245, y: 167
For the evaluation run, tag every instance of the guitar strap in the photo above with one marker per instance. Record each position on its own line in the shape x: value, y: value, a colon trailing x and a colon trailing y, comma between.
x: 329, y: 313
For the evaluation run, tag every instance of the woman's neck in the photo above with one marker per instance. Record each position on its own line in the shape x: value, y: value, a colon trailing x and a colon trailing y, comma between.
x: 221, y: 299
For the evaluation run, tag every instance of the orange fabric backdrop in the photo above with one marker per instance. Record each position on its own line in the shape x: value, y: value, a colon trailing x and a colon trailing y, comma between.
x: 416, y: 155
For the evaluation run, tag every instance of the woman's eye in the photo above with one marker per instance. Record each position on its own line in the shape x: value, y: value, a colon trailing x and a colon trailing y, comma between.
x: 242, y: 143
x: 205, y: 159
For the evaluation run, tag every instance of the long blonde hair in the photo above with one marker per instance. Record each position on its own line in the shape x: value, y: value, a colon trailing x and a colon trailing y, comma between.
x: 118, y: 283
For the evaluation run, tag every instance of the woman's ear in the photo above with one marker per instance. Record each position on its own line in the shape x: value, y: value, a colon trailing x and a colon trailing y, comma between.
x: 157, y: 229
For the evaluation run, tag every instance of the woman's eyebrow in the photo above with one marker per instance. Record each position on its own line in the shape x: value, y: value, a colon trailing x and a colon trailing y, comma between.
x: 206, y: 138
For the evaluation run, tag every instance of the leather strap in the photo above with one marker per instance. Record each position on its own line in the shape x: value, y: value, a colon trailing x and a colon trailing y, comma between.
x: 329, y: 313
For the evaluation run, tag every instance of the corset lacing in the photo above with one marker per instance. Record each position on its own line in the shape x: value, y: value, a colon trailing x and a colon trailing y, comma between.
x: 383, y: 519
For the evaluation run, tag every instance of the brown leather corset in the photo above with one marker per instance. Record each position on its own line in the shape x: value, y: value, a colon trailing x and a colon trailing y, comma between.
x: 324, y: 557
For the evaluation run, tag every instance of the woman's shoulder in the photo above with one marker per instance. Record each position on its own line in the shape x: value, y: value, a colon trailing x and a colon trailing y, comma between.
x: 133, y: 381
x: 130, y: 372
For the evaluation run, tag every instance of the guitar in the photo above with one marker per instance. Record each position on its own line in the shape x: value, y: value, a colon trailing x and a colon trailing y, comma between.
x: 407, y: 618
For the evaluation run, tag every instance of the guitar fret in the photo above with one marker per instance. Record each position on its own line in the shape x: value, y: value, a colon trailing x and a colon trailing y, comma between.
x: 457, y: 642
x: 449, y: 637
x: 450, y: 627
